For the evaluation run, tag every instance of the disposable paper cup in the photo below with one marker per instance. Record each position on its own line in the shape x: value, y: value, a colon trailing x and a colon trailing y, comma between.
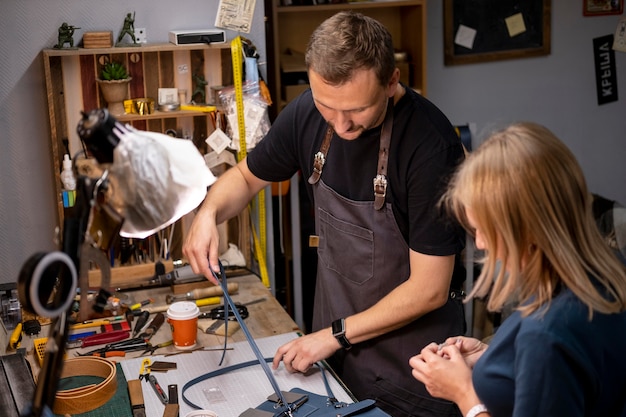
x: 183, y: 319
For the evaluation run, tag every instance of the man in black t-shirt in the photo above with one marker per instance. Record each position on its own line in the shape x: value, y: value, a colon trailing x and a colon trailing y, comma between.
x: 377, y: 156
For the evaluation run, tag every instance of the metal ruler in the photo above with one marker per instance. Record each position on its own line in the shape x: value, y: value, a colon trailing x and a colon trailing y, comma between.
x: 260, y: 240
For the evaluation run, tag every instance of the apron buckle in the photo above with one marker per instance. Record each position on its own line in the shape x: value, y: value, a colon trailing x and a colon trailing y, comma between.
x: 318, y: 165
x: 380, y: 191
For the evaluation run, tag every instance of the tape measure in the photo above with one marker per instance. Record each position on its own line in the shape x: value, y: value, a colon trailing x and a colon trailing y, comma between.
x: 260, y: 240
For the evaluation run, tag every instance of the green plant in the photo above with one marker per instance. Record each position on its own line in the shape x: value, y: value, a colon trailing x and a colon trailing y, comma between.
x: 113, y: 71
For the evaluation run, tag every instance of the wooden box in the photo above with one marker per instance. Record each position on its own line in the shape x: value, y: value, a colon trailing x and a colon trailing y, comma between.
x: 98, y: 40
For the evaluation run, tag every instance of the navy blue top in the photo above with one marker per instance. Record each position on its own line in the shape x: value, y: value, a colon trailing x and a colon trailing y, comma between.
x: 558, y: 364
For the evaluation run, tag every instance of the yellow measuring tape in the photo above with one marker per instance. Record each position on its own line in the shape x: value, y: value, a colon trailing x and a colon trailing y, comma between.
x: 260, y: 244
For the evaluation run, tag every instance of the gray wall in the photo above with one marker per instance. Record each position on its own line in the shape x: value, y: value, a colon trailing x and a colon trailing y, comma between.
x: 557, y: 90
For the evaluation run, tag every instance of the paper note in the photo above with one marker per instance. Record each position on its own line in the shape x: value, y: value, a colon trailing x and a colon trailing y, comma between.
x: 515, y: 24
x: 465, y: 36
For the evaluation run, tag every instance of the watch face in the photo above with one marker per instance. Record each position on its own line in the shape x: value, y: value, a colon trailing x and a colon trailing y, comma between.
x: 338, y: 327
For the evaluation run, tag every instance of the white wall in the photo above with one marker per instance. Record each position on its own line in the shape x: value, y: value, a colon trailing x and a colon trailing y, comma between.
x: 27, y: 208
x: 557, y: 91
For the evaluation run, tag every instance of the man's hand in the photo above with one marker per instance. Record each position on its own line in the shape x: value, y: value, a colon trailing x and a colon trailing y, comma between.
x: 201, y: 245
x: 300, y: 354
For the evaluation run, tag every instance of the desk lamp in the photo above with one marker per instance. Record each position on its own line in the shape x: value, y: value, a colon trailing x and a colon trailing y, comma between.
x: 149, y: 181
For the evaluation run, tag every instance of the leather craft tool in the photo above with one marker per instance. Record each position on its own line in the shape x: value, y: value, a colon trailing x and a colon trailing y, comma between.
x: 144, y: 373
x: 137, y: 306
x: 96, y: 323
x: 99, y: 339
x: 135, y: 392
x: 129, y: 345
x: 153, y: 327
x: 112, y: 327
x: 172, y: 407
x: 150, y: 349
x: 141, y: 321
x: 199, y: 293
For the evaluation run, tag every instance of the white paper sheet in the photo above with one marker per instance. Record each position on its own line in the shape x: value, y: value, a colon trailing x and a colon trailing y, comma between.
x: 230, y: 394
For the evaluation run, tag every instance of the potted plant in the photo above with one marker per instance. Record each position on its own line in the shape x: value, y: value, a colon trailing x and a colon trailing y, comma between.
x: 113, y: 83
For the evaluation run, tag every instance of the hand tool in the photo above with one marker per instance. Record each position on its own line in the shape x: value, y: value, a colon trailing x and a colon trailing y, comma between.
x: 141, y: 321
x: 157, y: 388
x: 135, y: 392
x: 16, y: 337
x: 198, y: 293
x: 153, y: 327
x: 129, y: 345
x: 144, y: 373
x: 200, y: 303
x: 75, y: 337
x: 137, y: 306
x: 99, y: 339
x: 96, y: 323
x: 110, y: 354
x: 218, y: 313
x: 150, y: 349
x: 172, y: 407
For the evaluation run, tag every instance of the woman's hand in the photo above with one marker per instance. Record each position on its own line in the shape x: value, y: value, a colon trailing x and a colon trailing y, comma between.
x: 470, y: 348
x: 444, y: 371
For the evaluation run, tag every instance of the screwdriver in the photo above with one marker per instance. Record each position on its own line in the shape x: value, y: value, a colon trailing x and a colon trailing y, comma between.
x: 199, y: 293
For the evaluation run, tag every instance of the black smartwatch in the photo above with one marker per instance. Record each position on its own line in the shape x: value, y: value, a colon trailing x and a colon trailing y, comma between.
x: 339, y: 332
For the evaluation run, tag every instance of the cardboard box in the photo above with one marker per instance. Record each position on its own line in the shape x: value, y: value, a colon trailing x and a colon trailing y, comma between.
x: 93, y: 40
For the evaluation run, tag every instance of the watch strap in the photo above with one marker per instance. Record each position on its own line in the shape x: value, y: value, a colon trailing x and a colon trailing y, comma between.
x: 339, y: 332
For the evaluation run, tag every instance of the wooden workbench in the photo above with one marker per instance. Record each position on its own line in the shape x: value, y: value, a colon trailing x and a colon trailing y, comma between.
x: 266, y: 318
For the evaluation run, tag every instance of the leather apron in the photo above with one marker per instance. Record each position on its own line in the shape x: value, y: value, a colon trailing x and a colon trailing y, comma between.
x: 362, y: 256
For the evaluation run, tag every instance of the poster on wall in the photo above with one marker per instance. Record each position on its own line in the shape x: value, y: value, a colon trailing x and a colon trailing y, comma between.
x: 235, y: 15
x: 602, y: 7
x: 606, y: 75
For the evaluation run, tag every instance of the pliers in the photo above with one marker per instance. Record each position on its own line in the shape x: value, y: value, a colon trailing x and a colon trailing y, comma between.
x: 150, y: 348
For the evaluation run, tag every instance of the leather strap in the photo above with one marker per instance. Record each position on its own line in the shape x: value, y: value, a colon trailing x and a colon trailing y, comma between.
x: 320, y: 157
x: 380, y: 180
x: 89, y: 397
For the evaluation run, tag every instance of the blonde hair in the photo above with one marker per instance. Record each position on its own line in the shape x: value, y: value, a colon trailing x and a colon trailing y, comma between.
x: 528, y: 195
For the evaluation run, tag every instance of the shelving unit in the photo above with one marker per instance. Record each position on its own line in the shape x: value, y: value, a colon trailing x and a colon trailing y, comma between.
x: 71, y: 88
x: 70, y: 78
x: 291, y: 27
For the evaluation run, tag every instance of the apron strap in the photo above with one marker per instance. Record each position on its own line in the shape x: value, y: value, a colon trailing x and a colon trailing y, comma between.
x: 320, y: 157
x: 380, y: 180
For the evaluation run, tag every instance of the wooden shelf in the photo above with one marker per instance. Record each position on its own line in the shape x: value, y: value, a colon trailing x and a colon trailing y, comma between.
x: 71, y: 88
x: 70, y: 78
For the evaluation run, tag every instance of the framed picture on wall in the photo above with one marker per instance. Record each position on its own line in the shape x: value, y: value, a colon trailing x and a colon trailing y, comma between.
x: 493, y: 30
x: 602, y: 7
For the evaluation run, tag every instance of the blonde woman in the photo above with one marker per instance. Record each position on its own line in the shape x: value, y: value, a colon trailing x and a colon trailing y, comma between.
x: 523, y: 196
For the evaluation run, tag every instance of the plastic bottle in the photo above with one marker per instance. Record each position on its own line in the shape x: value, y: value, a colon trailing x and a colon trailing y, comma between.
x: 67, y: 175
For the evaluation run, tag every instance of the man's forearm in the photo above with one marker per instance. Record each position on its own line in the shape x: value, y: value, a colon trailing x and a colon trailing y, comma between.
x: 230, y: 194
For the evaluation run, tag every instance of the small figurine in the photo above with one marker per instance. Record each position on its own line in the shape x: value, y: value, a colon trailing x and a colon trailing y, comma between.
x: 200, y: 88
x: 66, y: 35
x: 128, y: 29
